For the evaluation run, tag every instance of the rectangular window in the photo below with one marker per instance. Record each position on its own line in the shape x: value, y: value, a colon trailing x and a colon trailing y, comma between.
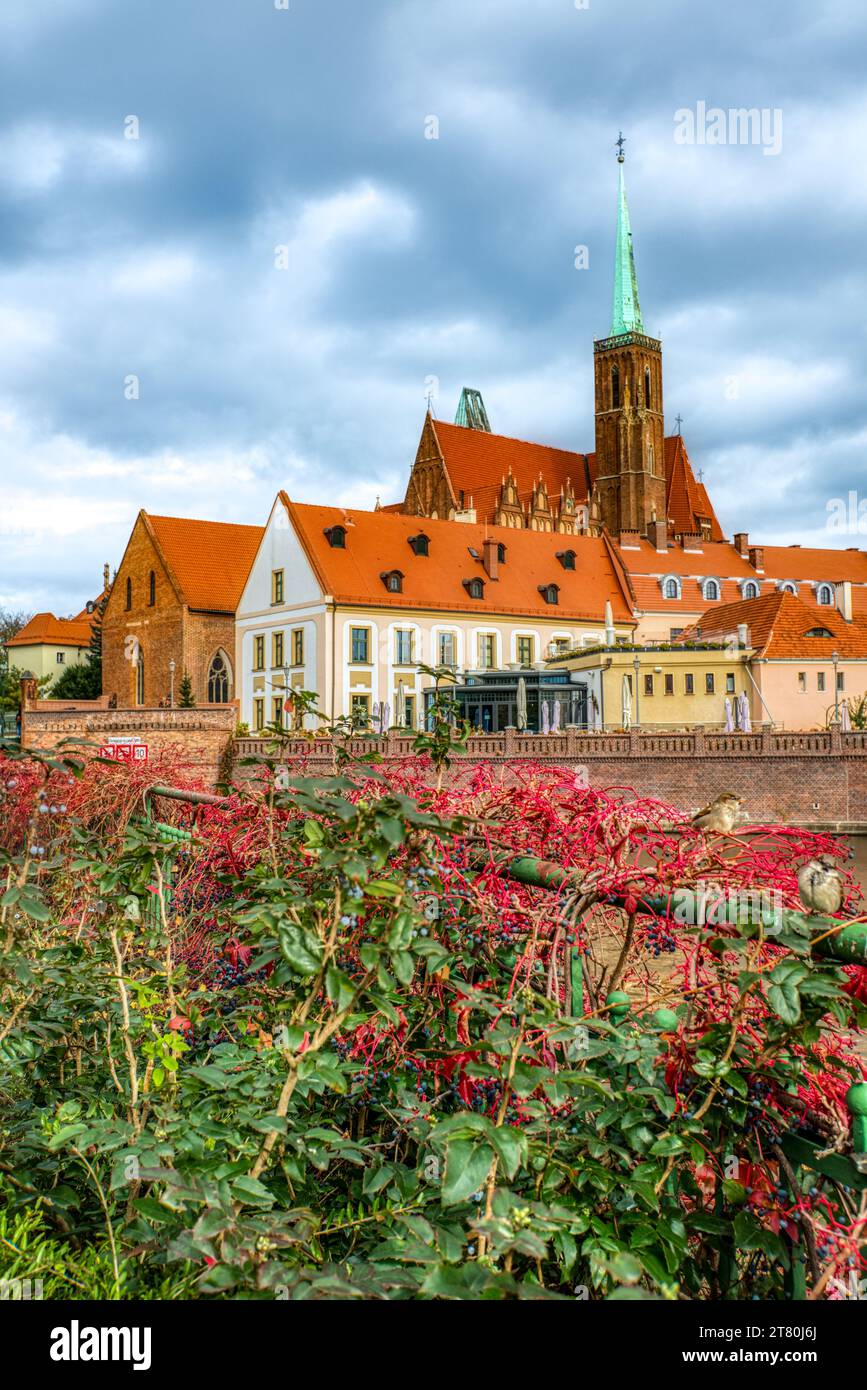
x: 258, y: 653
x: 674, y: 633
x: 359, y: 641
x: 446, y: 649
x: 525, y: 651
x: 709, y: 683
x: 820, y: 680
x: 403, y: 646
x: 276, y: 586
x: 669, y: 683
x: 360, y: 709
x: 277, y: 649
x: 298, y: 646
x: 730, y: 682
x: 841, y: 680
x: 258, y: 714
x: 61, y: 657
x: 409, y: 712
x: 689, y: 683
x: 802, y: 681
x: 648, y: 685
x: 487, y: 651
x: 277, y: 711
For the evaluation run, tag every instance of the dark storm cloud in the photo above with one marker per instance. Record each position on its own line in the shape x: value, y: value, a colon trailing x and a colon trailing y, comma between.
x: 408, y: 259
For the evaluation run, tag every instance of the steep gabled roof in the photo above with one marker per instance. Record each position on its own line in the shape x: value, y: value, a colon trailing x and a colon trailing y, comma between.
x: 779, y: 625
x: 477, y: 462
x: 208, y: 561
x: 686, y: 498
x: 378, y: 542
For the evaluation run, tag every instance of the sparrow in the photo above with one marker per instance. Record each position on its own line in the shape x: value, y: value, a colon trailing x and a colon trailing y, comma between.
x: 721, y: 815
x: 821, y: 885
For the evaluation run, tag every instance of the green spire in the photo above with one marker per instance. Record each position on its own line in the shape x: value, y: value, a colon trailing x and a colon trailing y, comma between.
x: 471, y: 411
x: 626, y: 317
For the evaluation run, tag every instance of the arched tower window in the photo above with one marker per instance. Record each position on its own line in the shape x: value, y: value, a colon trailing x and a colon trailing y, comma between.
x: 129, y: 594
x: 615, y: 387
x: 647, y: 388
x: 139, y: 677
x: 152, y: 589
x: 219, y: 679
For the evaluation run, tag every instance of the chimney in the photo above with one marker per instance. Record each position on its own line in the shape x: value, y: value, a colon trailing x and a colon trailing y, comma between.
x: 742, y: 544
x: 843, y: 596
x: 691, y: 540
x: 743, y: 635
x: 490, y: 560
x: 757, y: 558
x: 630, y: 540
x: 657, y: 534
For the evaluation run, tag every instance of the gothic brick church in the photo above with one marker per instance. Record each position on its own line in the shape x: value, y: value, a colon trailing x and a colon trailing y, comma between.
x: 634, y: 484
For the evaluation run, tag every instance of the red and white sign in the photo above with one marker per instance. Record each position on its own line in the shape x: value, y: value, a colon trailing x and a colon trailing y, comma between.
x: 125, y: 750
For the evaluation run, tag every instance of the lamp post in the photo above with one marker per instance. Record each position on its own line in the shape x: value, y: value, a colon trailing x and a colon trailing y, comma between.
x: 835, y: 657
x: 636, y: 666
x: 172, y: 669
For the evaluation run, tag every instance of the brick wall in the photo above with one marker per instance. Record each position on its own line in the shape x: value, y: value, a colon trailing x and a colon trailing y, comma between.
x: 809, y: 779
x: 200, y: 737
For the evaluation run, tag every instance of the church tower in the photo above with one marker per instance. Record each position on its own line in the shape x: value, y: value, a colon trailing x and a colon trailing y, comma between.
x: 630, y: 431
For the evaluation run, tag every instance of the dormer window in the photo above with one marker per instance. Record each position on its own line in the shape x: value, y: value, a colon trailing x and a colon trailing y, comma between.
x: 473, y: 552
x: 710, y: 590
x: 550, y: 592
x: 567, y: 559
x: 825, y: 595
x: 475, y: 587
x: 393, y: 581
x: 749, y: 589
x: 336, y: 537
x: 420, y: 544
x: 818, y: 632
x: 788, y: 587
x: 670, y: 586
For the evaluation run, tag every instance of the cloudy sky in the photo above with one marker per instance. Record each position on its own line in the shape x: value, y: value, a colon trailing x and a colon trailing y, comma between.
x: 259, y: 289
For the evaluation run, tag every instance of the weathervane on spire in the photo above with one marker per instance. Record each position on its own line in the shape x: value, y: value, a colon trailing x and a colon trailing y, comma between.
x: 620, y: 142
x: 678, y: 419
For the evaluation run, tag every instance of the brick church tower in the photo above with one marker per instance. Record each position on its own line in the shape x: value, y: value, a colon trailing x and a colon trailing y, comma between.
x: 630, y: 433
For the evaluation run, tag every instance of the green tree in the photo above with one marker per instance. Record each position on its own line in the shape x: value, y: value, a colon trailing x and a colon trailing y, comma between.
x: 80, y: 682
x: 186, y: 698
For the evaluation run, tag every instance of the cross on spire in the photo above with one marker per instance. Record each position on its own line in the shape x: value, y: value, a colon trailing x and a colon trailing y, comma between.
x: 678, y: 420
x: 620, y: 142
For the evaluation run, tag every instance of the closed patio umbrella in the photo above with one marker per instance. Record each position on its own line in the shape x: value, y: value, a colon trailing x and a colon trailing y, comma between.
x: 522, y: 703
x: 595, y: 712
x: 555, y: 718
x: 730, y: 721
x: 545, y: 716
x: 627, y: 704
x: 745, y: 722
x: 845, y: 721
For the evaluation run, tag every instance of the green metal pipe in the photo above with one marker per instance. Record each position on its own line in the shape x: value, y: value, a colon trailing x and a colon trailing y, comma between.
x: 747, y: 908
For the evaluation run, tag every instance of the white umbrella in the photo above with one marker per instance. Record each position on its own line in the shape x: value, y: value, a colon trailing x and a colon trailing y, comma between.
x: 744, y: 704
x: 627, y: 704
x: 595, y: 712
x: 730, y: 723
x: 845, y: 721
x: 555, y: 718
x: 385, y: 716
x: 544, y: 716
x: 609, y: 624
x: 522, y: 703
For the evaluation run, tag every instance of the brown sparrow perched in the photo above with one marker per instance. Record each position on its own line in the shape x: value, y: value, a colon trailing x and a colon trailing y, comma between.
x: 721, y: 816
x: 821, y: 885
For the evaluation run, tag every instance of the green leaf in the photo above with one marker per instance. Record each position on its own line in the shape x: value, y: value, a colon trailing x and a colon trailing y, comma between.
x: 467, y: 1168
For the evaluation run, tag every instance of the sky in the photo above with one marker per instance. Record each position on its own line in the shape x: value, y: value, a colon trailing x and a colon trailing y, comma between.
x: 242, y: 241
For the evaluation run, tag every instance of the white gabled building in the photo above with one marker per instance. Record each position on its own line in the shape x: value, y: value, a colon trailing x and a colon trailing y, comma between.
x: 348, y: 603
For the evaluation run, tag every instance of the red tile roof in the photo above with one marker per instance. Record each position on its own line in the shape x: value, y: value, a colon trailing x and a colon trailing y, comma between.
x: 377, y: 542
x: 44, y: 629
x: 478, y: 462
x: 779, y: 625
x: 209, y: 561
